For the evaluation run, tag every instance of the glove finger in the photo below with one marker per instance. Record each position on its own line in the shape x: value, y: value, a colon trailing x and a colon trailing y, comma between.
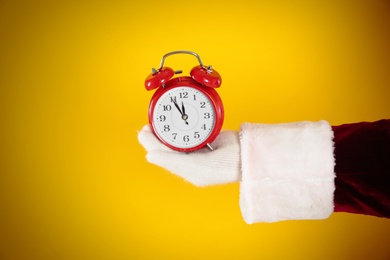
x: 186, y: 166
x: 149, y: 141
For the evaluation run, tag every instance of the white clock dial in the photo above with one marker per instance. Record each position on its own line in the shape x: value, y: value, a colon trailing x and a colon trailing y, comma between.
x: 184, y: 117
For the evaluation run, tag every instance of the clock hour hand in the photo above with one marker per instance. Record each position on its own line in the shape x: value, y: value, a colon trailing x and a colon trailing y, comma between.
x: 183, y: 115
x: 183, y: 108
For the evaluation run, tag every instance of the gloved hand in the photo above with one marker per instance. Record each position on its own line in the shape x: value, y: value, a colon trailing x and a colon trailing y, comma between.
x: 202, y: 167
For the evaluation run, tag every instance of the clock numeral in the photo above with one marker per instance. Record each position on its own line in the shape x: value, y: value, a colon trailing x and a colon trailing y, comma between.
x: 196, y: 135
x: 202, y: 104
x: 174, y: 136
x: 204, y: 127
x: 183, y: 95
x: 167, y: 128
x: 194, y: 97
x: 186, y: 138
x: 206, y: 115
x: 162, y: 118
x: 173, y: 99
x: 167, y: 107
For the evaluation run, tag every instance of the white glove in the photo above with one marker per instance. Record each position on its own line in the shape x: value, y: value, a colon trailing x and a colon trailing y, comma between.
x: 202, y: 167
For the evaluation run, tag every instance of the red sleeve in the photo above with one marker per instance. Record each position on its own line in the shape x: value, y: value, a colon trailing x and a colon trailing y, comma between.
x: 362, y: 152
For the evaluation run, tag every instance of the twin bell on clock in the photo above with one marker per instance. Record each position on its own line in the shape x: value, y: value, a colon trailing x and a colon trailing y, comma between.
x: 186, y: 112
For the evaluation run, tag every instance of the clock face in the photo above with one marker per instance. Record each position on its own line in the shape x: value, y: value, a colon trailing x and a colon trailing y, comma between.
x: 183, y: 117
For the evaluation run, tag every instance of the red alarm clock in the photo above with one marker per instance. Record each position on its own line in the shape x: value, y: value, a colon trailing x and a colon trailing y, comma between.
x: 186, y: 112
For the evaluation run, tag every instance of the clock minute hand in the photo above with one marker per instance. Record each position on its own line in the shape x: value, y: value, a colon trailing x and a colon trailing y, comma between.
x: 183, y: 115
x: 177, y: 106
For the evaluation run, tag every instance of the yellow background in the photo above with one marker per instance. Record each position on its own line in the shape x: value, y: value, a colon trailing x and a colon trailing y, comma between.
x: 74, y: 181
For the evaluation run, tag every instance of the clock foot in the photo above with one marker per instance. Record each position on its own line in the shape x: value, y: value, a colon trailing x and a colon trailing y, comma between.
x: 209, y: 146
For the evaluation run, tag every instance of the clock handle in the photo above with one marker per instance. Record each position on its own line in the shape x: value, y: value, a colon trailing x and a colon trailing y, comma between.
x: 183, y: 52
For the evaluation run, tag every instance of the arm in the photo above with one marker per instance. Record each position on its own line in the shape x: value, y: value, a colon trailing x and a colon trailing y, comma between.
x: 287, y: 171
x: 362, y: 152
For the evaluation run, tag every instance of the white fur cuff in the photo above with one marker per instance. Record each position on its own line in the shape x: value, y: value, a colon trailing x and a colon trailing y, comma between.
x: 287, y: 171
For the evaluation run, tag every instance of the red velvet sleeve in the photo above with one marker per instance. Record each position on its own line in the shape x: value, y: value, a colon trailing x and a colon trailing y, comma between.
x: 362, y: 152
